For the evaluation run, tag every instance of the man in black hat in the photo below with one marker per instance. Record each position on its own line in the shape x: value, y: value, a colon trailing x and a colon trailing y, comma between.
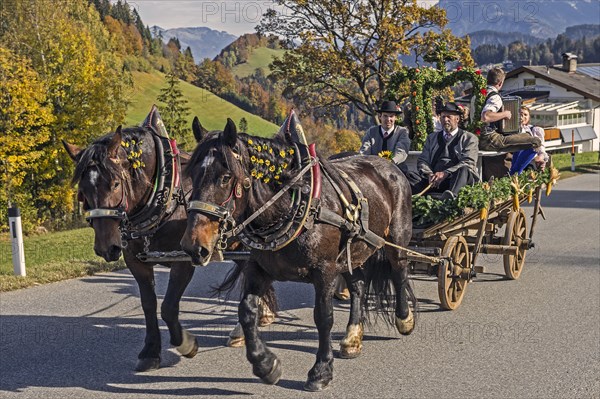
x: 448, y: 161
x: 387, y: 136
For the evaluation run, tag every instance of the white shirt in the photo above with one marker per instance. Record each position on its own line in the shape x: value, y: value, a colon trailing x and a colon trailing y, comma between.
x: 386, y: 133
x: 452, y: 133
x: 493, y: 103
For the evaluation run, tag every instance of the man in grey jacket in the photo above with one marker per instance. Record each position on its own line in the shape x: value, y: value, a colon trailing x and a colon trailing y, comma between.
x: 387, y: 136
x: 448, y: 161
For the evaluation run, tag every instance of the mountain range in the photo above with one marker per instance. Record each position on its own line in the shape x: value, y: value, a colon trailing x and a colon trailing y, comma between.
x: 204, y: 42
x: 539, y: 18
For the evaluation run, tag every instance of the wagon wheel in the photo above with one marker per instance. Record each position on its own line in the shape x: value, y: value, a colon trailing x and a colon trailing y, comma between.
x: 516, y: 232
x: 451, y: 287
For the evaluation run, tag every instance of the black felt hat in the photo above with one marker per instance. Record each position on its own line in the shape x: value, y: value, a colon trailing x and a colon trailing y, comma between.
x: 389, y: 107
x: 451, y: 108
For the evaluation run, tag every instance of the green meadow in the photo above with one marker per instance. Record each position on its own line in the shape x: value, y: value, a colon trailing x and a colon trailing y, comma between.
x: 210, y: 109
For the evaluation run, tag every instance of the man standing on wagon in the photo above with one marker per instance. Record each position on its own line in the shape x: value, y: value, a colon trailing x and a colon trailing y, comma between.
x: 388, y: 136
x: 448, y: 161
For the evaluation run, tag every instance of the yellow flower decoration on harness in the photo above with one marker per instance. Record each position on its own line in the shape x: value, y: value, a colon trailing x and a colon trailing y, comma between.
x: 134, y: 152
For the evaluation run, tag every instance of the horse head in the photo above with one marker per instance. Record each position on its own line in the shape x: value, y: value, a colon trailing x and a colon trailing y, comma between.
x: 113, y: 175
x: 232, y: 175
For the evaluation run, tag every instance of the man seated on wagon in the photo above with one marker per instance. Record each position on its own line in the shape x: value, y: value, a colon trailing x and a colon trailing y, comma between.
x: 388, y: 136
x: 448, y: 161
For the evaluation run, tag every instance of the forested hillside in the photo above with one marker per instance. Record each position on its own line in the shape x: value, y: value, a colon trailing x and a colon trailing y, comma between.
x: 70, y: 70
x: 581, y: 40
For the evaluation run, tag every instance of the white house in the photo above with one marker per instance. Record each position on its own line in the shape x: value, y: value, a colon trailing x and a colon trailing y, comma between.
x: 565, y: 99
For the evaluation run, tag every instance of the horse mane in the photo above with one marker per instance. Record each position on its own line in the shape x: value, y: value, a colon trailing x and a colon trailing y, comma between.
x: 96, y: 154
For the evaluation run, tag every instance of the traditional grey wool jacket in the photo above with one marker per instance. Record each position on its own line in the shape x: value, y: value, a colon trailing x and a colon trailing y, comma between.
x: 398, y: 143
x: 461, y: 151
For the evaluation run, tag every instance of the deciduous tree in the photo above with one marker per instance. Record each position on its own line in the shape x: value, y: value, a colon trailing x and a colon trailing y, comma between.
x: 343, y: 51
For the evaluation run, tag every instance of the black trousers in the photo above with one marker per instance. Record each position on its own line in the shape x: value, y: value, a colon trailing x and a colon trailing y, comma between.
x: 457, y: 180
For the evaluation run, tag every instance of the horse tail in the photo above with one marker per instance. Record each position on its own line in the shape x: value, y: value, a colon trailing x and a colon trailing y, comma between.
x: 235, y: 279
x: 380, y: 295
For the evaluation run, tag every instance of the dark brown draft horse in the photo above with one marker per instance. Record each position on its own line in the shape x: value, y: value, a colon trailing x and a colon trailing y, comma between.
x: 130, y: 184
x: 299, y: 228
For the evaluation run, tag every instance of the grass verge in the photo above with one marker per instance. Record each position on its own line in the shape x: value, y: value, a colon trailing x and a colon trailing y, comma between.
x: 53, y: 257
x: 586, y: 162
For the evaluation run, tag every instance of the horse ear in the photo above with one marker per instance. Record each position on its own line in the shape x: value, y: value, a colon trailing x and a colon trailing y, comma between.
x: 199, y: 130
x: 115, y: 143
x: 72, y: 150
x: 230, y: 133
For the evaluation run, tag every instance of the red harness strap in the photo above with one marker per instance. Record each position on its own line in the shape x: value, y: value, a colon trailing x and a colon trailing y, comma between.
x: 316, y: 176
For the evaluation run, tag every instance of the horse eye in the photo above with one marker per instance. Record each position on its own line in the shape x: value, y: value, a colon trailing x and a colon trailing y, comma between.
x: 116, y: 185
x: 225, y: 180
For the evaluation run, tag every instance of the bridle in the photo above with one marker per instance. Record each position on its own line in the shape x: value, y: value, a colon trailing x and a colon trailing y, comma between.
x: 223, y: 212
x: 118, y: 212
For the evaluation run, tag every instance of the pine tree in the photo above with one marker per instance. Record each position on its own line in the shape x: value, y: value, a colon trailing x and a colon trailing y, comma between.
x: 174, y: 111
x: 243, y: 125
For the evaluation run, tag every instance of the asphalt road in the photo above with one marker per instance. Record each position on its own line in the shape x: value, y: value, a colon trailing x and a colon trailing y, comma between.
x: 536, y: 337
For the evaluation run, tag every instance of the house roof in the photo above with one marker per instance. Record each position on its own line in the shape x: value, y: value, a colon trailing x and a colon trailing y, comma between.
x: 578, y: 82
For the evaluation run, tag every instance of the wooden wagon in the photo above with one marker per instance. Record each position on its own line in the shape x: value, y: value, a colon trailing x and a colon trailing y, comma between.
x: 450, y: 249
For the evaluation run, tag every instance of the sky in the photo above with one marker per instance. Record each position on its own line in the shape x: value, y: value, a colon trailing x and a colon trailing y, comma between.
x: 233, y: 16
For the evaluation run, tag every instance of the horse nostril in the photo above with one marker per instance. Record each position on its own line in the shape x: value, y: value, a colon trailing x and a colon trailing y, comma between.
x: 204, y: 252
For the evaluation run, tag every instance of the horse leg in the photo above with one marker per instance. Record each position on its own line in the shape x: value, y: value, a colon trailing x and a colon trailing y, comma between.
x: 265, y: 364
x: 321, y: 373
x: 266, y: 316
x: 405, y: 321
x: 351, y: 345
x: 179, y: 278
x: 149, y: 357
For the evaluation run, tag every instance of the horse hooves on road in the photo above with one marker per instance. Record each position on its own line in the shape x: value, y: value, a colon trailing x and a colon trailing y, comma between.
x: 273, y: 377
x: 350, y: 353
x: 316, y: 386
x: 147, y: 364
x: 194, y: 350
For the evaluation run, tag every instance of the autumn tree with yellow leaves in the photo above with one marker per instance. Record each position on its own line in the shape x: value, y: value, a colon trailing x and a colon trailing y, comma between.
x: 60, y: 80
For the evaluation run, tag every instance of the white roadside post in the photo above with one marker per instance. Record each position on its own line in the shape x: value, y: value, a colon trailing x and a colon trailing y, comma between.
x: 16, y: 235
x: 572, y: 150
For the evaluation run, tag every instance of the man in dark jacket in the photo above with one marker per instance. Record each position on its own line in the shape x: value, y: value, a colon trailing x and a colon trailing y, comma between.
x: 387, y: 136
x: 448, y: 161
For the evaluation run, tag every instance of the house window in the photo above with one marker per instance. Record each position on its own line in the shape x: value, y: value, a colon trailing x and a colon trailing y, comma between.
x: 529, y: 82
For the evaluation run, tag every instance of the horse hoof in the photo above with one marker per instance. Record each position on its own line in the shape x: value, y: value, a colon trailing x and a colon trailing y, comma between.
x: 147, y: 364
x: 342, y: 295
x: 316, y: 386
x: 194, y: 350
x: 406, y: 326
x: 266, y: 320
x: 273, y: 377
x: 350, y: 352
x: 236, y: 337
x: 267, y: 316
x: 236, y: 342
x: 351, y: 345
x: 189, y: 345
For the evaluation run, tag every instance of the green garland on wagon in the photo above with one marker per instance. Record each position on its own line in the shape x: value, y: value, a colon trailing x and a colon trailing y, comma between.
x: 480, y: 196
x: 423, y: 81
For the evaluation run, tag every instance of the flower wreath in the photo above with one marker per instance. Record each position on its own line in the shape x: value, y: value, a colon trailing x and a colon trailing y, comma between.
x: 422, y: 83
